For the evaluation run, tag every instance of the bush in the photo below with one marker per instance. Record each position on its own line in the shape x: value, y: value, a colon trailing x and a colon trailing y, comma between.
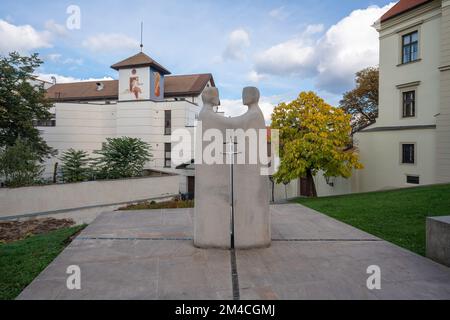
x: 122, y: 157
x: 20, y: 164
x: 75, y: 165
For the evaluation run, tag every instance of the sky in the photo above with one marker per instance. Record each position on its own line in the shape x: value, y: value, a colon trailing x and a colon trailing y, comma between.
x: 281, y: 47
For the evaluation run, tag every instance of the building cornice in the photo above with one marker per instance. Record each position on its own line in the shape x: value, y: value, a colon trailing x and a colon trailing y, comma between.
x: 407, y: 85
x: 397, y: 128
x: 444, y: 68
x: 428, y: 7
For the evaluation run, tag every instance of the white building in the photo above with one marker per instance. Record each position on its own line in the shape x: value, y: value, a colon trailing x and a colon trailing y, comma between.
x: 410, y: 142
x: 146, y: 103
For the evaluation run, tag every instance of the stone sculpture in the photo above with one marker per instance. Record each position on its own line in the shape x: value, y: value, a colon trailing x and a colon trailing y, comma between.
x: 246, y: 219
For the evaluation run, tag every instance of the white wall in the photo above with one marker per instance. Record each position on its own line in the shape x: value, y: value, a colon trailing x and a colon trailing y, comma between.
x: 283, y: 192
x: 85, y: 126
x: 38, y: 199
x: 145, y: 120
x: 393, y: 73
x: 79, y: 126
x: 340, y: 185
x: 380, y: 153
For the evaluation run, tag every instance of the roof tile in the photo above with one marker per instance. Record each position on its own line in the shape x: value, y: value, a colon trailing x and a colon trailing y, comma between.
x: 139, y: 60
x: 401, y: 7
x: 174, y: 86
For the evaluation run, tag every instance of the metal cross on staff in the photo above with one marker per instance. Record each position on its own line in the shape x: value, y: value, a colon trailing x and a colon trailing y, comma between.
x: 231, y: 143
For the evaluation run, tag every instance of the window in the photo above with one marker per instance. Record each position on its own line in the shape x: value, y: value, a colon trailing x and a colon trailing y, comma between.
x: 167, y: 122
x: 410, y: 47
x: 409, y: 104
x: 167, y: 155
x: 408, y: 153
x: 412, y: 179
x: 45, y: 123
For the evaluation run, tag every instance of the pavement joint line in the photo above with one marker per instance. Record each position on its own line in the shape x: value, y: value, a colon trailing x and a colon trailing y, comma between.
x: 189, y: 238
x: 234, y: 275
x: 328, y: 240
x: 133, y: 238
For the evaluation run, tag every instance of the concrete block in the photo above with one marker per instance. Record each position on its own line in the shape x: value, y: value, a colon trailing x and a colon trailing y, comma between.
x: 438, y: 239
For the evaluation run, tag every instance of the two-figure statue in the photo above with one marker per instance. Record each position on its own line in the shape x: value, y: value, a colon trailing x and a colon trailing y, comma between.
x: 231, y: 202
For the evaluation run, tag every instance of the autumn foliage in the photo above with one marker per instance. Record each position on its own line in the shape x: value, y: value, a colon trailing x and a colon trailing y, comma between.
x: 314, y: 136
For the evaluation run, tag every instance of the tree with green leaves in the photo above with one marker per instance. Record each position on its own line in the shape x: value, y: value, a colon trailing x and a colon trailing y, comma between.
x: 21, y: 102
x: 122, y: 157
x: 20, y: 164
x: 75, y: 165
x: 362, y: 102
x: 314, y: 136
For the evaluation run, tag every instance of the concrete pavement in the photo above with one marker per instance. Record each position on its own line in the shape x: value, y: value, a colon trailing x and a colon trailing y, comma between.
x: 149, y: 254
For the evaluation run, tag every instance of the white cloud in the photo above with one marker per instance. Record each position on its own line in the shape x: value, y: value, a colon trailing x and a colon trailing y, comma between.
x: 72, y: 61
x: 291, y: 57
x: 54, y: 57
x: 64, y: 79
x: 22, y: 38
x: 254, y: 76
x: 347, y: 47
x: 238, y: 40
x: 57, y: 57
x: 313, y: 29
x: 332, y: 58
x: 234, y: 107
x: 55, y: 28
x: 279, y: 13
x: 110, y: 41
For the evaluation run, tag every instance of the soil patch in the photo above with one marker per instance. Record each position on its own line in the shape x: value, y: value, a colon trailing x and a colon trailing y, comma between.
x: 17, y: 230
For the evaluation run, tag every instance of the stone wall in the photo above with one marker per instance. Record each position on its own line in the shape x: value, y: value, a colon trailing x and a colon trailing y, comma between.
x: 60, y: 198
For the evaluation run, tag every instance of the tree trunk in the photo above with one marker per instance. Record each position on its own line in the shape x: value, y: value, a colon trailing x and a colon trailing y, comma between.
x: 311, y: 184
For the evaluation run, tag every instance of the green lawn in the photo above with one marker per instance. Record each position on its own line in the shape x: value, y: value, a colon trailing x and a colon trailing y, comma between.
x: 397, y: 216
x: 21, y: 261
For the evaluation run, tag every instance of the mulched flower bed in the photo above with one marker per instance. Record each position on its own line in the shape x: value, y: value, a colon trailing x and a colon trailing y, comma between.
x: 17, y: 230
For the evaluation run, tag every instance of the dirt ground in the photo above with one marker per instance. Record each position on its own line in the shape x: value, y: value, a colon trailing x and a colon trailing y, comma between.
x: 16, y: 230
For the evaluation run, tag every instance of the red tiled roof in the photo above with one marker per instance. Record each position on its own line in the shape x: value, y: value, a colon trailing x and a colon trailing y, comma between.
x: 174, y: 86
x: 401, y: 7
x: 140, y: 60
x: 186, y: 85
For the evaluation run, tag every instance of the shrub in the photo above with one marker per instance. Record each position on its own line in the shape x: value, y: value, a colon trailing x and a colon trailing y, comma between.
x: 20, y: 164
x: 75, y: 165
x: 122, y: 158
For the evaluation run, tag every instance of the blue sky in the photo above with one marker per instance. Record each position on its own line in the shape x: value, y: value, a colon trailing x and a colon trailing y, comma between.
x: 282, y: 47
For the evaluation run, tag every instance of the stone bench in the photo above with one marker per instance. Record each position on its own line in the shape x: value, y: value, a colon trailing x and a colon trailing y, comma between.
x: 438, y: 239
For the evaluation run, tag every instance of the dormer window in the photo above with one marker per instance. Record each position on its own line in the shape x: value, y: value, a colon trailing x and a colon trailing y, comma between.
x: 410, y: 47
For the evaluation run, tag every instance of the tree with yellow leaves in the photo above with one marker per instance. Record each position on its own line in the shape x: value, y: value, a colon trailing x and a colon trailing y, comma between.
x: 314, y: 136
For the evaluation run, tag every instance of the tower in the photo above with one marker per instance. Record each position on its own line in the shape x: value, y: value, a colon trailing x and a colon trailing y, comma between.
x: 140, y: 78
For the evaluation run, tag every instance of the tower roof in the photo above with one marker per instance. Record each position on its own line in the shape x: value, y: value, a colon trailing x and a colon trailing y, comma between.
x: 140, y: 60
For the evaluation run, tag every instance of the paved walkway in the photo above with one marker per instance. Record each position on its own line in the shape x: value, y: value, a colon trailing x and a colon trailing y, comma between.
x: 149, y: 255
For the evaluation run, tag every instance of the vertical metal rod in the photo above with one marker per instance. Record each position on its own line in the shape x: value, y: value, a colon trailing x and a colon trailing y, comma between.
x: 232, y: 191
x: 142, y: 31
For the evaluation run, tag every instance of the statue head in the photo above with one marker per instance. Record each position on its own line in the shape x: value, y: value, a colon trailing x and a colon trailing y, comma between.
x: 210, y: 96
x: 250, y: 95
